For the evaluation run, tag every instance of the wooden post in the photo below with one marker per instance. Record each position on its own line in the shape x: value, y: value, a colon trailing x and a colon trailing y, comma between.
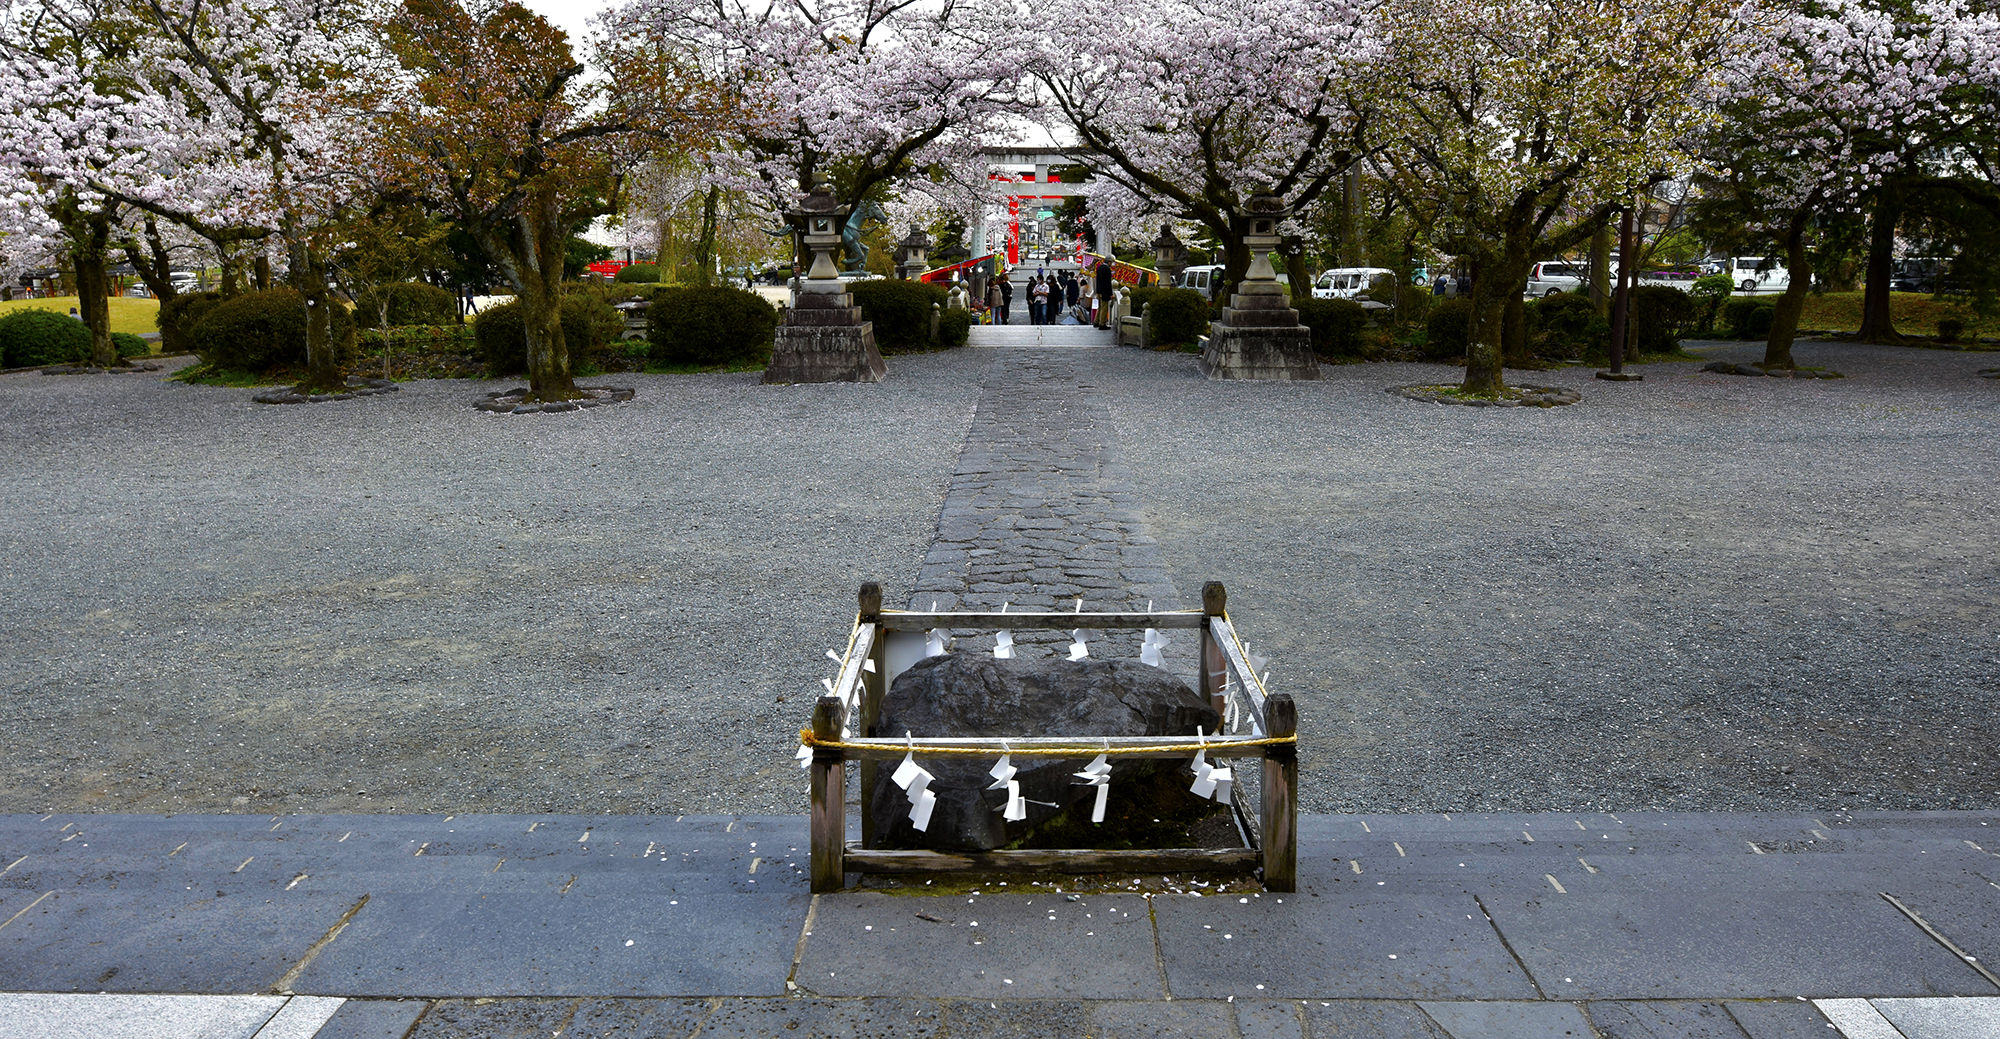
x: 1280, y: 808
x: 829, y: 799
x: 871, y: 703
x: 1214, y: 599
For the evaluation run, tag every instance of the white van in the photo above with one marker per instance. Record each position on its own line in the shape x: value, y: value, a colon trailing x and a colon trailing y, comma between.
x: 1757, y: 274
x: 1556, y: 276
x: 1205, y: 279
x: 1349, y: 282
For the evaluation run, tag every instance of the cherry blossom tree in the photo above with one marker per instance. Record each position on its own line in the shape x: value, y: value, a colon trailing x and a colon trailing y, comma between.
x: 879, y: 97
x: 1187, y: 109
x: 1822, y: 103
x: 494, y: 119
x: 1518, y: 126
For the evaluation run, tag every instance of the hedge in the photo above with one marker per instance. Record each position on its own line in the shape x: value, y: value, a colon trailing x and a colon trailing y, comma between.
x: 36, y: 336
x: 901, y: 310
x: 130, y: 345
x: 588, y: 323
x: 1749, y: 317
x: 410, y: 303
x: 1175, y: 317
x: 955, y: 327
x: 1446, y: 327
x: 1567, y: 325
x: 1336, y: 324
x: 262, y: 331
x: 637, y: 274
x: 716, y: 325
x: 180, y: 314
x: 1660, y: 316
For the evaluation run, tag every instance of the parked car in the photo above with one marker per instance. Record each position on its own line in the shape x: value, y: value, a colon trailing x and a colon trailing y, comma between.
x: 185, y: 281
x: 1757, y: 274
x: 1916, y: 274
x: 1551, y: 277
x: 1205, y: 279
x: 1351, y: 282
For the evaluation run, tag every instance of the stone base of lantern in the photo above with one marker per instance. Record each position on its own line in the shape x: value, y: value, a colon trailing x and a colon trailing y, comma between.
x: 824, y: 339
x: 1259, y: 337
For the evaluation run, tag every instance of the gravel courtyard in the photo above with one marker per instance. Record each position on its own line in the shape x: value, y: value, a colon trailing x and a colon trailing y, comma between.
x: 1695, y: 592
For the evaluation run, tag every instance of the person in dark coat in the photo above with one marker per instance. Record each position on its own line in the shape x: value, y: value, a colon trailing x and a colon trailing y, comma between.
x: 1006, y: 299
x: 1104, y: 293
x: 1070, y: 289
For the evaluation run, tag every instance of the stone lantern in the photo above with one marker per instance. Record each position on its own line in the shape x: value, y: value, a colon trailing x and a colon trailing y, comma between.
x: 823, y: 338
x: 1169, y: 255
x: 915, y: 251
x: 1259, y: 336
x: 818, y: 221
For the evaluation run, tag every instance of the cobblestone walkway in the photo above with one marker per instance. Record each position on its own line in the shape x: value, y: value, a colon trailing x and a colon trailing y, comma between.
x: 1041, y: 510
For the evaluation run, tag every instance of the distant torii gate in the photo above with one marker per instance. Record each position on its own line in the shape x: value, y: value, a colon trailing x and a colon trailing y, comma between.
x: 1026, y: 167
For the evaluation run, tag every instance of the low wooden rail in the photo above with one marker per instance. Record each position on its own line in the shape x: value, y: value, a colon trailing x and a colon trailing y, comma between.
x: 843, y: 730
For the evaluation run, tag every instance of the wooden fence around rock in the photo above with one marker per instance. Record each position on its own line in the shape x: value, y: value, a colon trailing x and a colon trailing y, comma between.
x: 842, y: 731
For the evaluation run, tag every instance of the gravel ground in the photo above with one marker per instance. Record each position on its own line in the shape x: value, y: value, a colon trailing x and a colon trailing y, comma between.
x: 401, y: 603
x: 1695, y: 592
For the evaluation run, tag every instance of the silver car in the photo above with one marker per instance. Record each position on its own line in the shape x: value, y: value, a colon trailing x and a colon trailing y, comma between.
x: 1554, y: 276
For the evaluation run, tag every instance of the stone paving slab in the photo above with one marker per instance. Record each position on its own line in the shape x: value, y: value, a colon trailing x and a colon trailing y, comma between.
x: 50, y: 1016
x: 1663, y: 1019
x: 373, y: 1019
x: 1306, y: 947
x: 1510, y: 1020
x: 988, y: 946
x: 160, y: 941
x: 576, y: 944
x: 1698, y: 945
x: 1938, y: 1019
x: 1780, y: 1019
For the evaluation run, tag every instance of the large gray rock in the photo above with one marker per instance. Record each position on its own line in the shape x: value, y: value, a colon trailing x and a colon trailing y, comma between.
x: 978, y: 695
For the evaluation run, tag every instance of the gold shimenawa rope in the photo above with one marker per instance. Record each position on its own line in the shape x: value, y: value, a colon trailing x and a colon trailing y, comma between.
x: 806, y: 737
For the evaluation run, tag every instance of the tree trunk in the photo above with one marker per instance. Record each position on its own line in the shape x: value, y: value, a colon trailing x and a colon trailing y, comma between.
x: 1514, y: 352
x: 323, y: 371
x: 1600, y: 270
x: 153, y: 262
x: 1351, y: 252
x: 1495, y: 278
x: 1785, y: 318
x: 260, y: 272
x: 1236, y: 263
x: 532, y: 258
x: 705, y: 248
x: 1877, y: 324
x: 89, y: 239
x: 1297, y: 274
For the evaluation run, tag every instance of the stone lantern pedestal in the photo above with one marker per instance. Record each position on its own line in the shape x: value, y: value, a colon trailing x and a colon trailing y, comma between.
x: 823, y: 338
x: 1259, y: 336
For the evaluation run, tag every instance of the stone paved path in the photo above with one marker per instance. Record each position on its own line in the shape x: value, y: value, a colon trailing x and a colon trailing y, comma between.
x: 1041, y: 510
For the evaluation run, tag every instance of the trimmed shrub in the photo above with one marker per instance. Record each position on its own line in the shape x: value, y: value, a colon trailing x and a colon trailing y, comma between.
x: 711, y: 326
x: 260, y: 331
x: 1749, y: 317
x: 410, y: 303
x: 954, y: 328
x: 1660, y: 316
x: 638, y: 274
x: 130, y: 345
x: 1177, y: 317
x: 1950, y: 329
x: 1446, y: 327
x: 180, y: 314
x: 901, y: 310
x: 37, y: 336
x: 588, y: 324
x: 1336, y: 325
x: 1567, y: 325
x: 1708, y: 293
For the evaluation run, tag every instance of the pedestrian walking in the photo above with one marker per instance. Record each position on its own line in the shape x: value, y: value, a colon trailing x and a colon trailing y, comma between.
x: 995, y: 302
x: 1071, y: 291
x: 1104, y: 288
x: 1006, y: 300
x: 1038, y: 301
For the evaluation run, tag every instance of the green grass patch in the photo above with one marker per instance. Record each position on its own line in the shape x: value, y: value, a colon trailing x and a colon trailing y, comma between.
x: 1913, y: 313
x: 203, y: 374
x: 128, y: 314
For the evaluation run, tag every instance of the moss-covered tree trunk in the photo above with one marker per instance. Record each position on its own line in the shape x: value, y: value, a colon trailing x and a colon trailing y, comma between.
x: 704, y: 260
x: 1878, y: 325
x: 89, y: 240
x: 308, y: 276
x: 1785, y: 317
x: 1514, y: 352
x: 530, y: 253
x: 1600, y: 270
x: 1496, y: 278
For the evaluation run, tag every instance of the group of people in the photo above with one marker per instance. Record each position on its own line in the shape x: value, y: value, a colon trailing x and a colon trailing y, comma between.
x: 1050, y: 296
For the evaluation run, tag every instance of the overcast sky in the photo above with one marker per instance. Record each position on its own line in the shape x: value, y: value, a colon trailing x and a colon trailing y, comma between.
x: 567, y: 15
